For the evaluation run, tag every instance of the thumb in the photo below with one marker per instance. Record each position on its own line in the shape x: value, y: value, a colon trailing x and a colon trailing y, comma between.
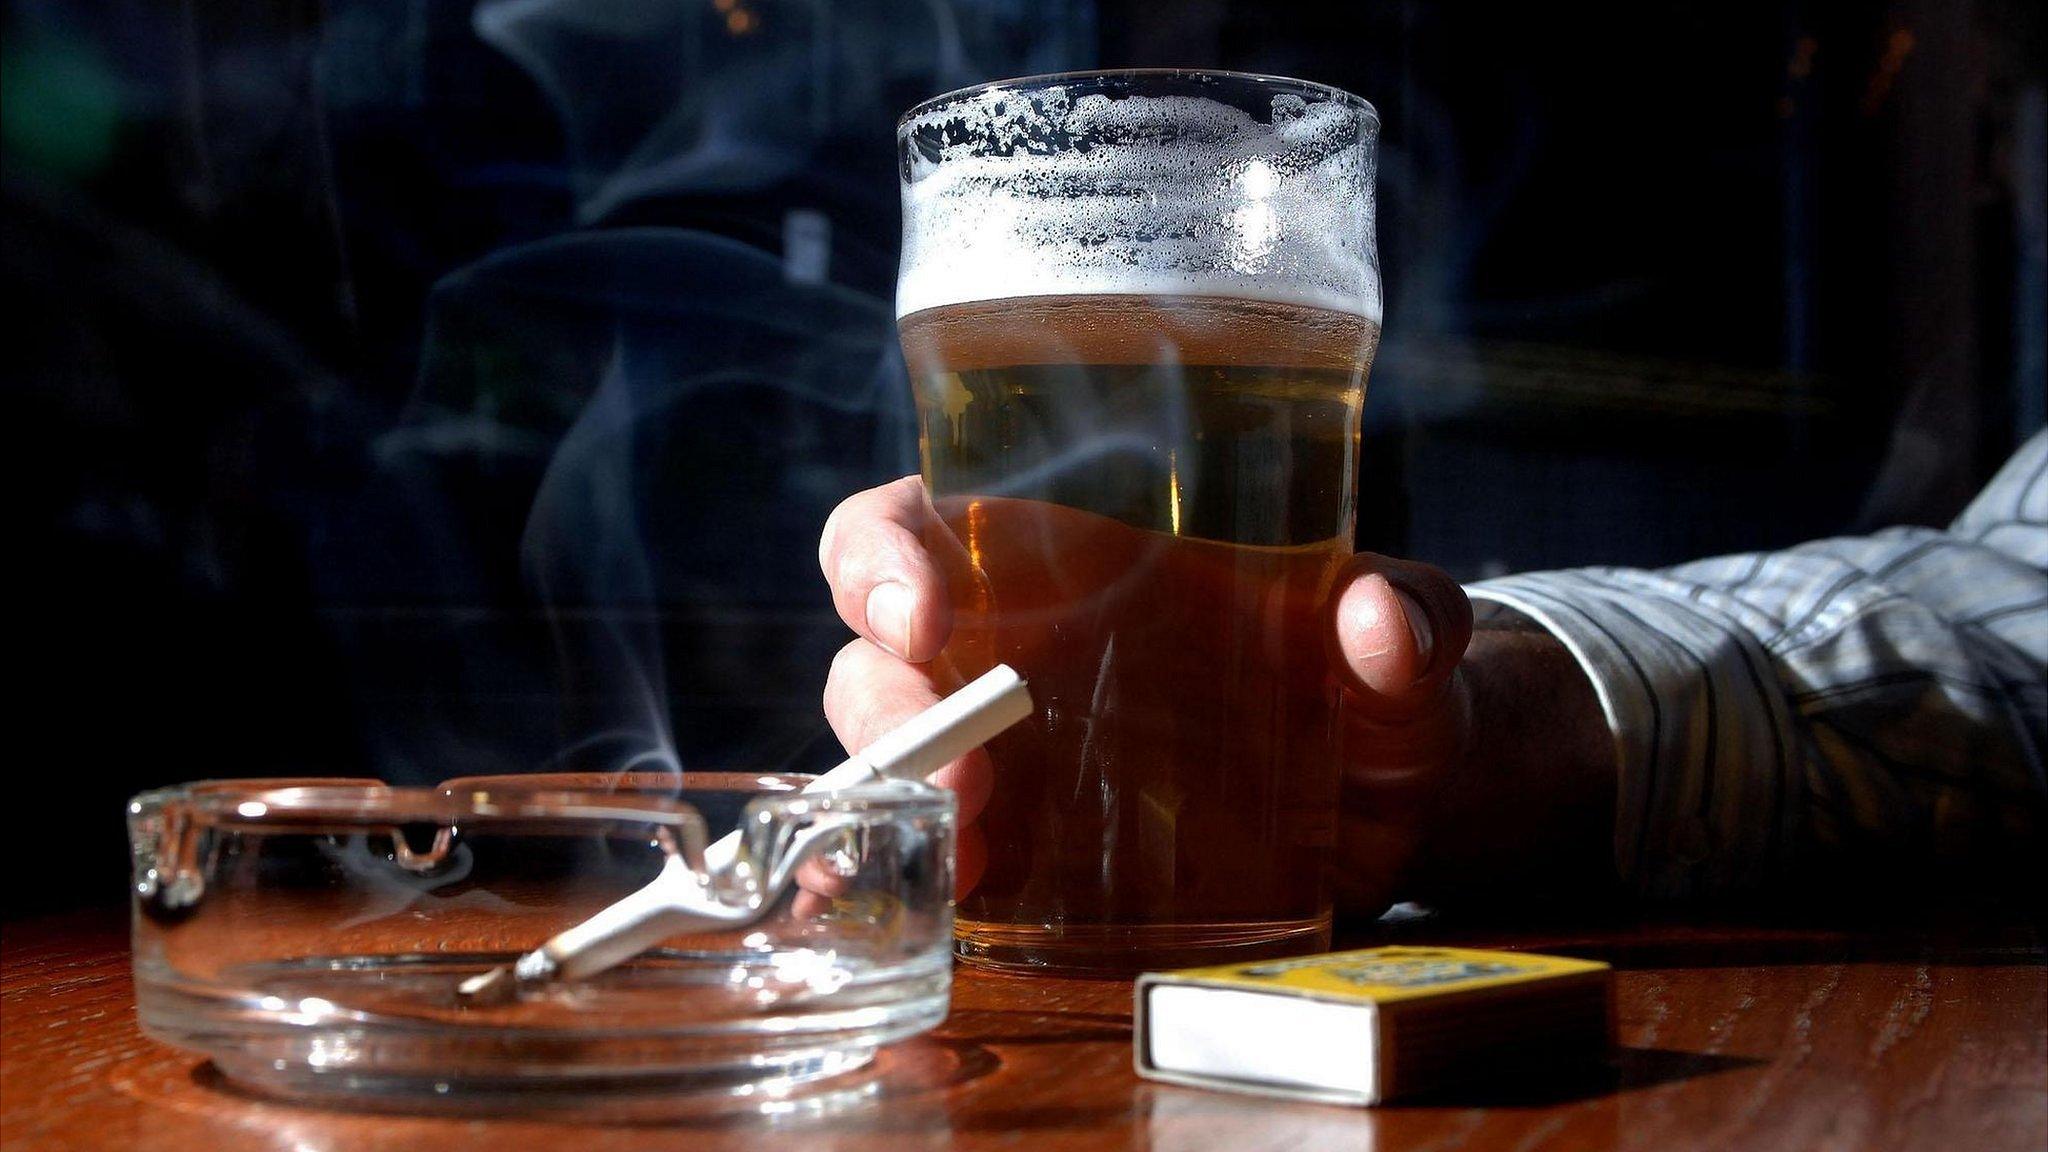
x: 1400, y: 630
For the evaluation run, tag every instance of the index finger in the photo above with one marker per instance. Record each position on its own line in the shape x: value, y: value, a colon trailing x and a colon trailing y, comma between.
x: 884, y: 581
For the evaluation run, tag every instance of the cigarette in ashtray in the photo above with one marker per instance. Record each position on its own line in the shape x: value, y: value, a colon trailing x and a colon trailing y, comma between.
x: 679, y: 899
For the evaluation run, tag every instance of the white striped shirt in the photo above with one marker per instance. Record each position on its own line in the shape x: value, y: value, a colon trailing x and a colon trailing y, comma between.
x: 1880, y: 697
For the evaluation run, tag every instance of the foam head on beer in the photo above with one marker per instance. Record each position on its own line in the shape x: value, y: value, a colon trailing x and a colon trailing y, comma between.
x: 1014, y: 192
x: 1137, y: 311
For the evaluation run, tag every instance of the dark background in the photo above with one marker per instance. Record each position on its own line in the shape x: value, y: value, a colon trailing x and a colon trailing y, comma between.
x: 414, y: 389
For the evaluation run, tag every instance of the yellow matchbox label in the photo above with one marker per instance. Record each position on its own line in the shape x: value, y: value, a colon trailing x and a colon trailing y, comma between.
x: 1380, y: 975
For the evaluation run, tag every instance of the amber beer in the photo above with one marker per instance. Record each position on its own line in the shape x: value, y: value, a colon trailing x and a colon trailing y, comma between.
x: 1166, y: 597
x: 1137, y: 314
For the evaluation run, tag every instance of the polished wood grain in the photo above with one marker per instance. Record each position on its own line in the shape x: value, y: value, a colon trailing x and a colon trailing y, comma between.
x: 1743, y: 1037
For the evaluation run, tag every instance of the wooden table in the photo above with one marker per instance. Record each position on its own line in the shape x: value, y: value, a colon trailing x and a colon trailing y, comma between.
x: 1750, y: 1038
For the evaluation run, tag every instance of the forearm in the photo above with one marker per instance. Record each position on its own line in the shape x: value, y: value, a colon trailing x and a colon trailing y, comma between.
x: 1791, y: 723
x: 1827, y: 719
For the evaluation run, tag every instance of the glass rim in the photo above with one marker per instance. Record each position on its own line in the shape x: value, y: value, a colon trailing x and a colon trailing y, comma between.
x: 1048, y: 79
x: 373, y: 802
x: 660, y: 782
x: 889, y: 795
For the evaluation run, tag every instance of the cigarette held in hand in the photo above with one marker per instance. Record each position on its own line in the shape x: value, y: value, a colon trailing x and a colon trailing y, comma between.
x: 680, y: 899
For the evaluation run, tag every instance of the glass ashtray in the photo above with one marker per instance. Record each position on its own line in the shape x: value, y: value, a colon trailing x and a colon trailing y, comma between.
x: 309, y: 935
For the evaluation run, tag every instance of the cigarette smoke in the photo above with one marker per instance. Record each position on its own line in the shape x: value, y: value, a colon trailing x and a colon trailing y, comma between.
x: 635, y: 427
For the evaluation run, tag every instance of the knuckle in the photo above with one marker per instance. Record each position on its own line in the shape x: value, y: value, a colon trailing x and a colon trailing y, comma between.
x: 1461, y: 609
x: 829, y: 538
x: 825, y: 537
x: 839, y: 679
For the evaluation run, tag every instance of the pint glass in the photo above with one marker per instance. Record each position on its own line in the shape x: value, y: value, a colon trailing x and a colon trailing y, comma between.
x: 1138, y: 309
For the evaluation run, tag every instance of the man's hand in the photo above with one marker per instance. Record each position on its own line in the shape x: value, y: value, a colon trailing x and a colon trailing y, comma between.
x: 889, y: 590
x: 1398, y: 633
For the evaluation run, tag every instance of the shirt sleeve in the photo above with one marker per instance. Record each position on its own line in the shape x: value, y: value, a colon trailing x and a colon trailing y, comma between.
x: 1788, y: 712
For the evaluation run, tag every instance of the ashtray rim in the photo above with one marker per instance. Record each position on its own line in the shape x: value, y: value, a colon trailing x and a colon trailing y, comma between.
x: 291, y: 800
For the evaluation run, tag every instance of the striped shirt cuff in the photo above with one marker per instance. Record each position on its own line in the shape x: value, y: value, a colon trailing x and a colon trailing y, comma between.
x: 1700, y: 726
